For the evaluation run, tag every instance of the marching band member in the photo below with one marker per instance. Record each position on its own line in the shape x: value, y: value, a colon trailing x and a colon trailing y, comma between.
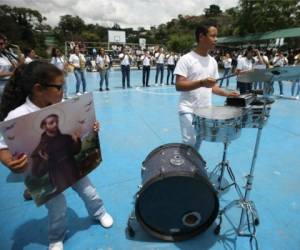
x: 60, y: 62
x: 126, y: 60
x: 245, y: 63
x: 103, y: 63
x: 30, y: 55
x: 160, y: 60
x: 170, y: 66
x: 146, y: 61
x: 294, y: 84
x: 280, y: 61
x: 8, y: 63
x: 227, y: 68
x: 196, y: 73
x: 77, y: 60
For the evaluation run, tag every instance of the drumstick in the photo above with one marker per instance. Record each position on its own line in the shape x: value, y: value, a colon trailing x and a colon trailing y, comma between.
x: 225, y: 77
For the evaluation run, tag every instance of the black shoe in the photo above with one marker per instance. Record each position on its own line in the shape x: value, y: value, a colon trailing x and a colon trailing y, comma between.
x: 167, y: 83
x: 147, y: 86
x: 100, y: 89
x: 173, y: 83
x: 129, y: 87
x: 107, y: 89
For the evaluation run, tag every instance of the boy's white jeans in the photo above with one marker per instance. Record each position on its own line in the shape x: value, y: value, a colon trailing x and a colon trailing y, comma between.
x: 188, y: 132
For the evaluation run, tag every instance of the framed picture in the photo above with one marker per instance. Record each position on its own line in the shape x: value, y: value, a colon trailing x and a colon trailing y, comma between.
x: 60, y: 142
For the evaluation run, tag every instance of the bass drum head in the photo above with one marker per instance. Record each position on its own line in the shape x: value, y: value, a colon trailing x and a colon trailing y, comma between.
x: 176, y: 206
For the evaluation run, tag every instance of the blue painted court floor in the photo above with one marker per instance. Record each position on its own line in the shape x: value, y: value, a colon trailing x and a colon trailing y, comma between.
x: 134, y: 122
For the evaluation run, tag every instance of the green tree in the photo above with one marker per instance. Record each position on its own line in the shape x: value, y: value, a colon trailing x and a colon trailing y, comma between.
x: 213, y: 11
x: 24, y: 27
x: 70, y: 28
x: 180, y: 43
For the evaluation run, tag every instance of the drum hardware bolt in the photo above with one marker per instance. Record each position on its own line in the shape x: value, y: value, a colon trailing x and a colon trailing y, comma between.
x: 140, y: 186
x: 177, y: 160
x: 143, y: 168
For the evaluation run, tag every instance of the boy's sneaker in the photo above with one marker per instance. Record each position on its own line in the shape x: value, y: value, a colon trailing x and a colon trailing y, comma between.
x: 56, y: 246
x: 78, y: 94
x: 106, y: 220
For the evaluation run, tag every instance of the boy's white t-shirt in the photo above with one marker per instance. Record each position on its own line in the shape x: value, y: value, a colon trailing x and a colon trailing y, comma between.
x: 24, y: 109
x: 196, y: 67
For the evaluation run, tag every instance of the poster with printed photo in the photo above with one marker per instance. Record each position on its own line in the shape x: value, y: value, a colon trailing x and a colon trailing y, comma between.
x: 60, y: 142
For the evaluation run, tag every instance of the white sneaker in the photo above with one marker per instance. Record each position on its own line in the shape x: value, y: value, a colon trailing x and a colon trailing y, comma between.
x: 85, y: 92
x: 56, y: 246
x: 297, y: 97
x: 106, y: 220
x: 78, y: 94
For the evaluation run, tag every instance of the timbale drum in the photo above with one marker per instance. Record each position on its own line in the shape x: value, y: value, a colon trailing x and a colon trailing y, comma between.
x: 176, y: 200
x: 218, y: 123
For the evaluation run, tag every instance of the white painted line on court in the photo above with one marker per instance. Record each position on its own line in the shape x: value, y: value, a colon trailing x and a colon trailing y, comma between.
x: 142, y: 90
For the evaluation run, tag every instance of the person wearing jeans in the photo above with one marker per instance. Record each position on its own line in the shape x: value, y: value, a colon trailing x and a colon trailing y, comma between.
x: 77, y: 60
x: 103, y: 62
x: 146, y: 68
x: 196, y: 73
x: 125, y: 59
x: 160, y: 60
x: 280, y: 61
x: 170, y: 67
x: 227, y: 68
x: 57, y: 209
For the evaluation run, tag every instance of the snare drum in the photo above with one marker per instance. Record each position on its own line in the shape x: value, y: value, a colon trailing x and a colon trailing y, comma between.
x: 218, y: 123
x: 253, y: 115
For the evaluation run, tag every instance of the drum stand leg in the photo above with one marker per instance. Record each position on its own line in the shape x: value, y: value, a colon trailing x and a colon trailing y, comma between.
x: 129, y: 229
x: 249, y: 217
x: 220, y: 168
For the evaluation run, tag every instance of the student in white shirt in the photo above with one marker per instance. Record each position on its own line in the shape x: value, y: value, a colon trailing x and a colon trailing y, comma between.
x: 7, y: 63
x: 297, y: 81
x: 146, y: 62
x: 77, y: 60
x: 38, y: 85
x: 160, y: 62
x: 227, y: 68
x: 103, y: 63
x: 30, y: 55
x: 260, y: 62
x: 61, y: 63
x: 170, y: 66
x: 125, y: 60
x: 245, y: 63
x: 280, y: 61
x: 196, y: 73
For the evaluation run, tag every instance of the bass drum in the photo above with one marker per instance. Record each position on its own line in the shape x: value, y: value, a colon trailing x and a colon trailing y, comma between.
x: 176, y: 201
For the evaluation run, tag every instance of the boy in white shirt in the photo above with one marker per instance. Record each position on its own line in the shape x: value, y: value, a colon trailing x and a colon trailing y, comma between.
x: 196, y: 73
